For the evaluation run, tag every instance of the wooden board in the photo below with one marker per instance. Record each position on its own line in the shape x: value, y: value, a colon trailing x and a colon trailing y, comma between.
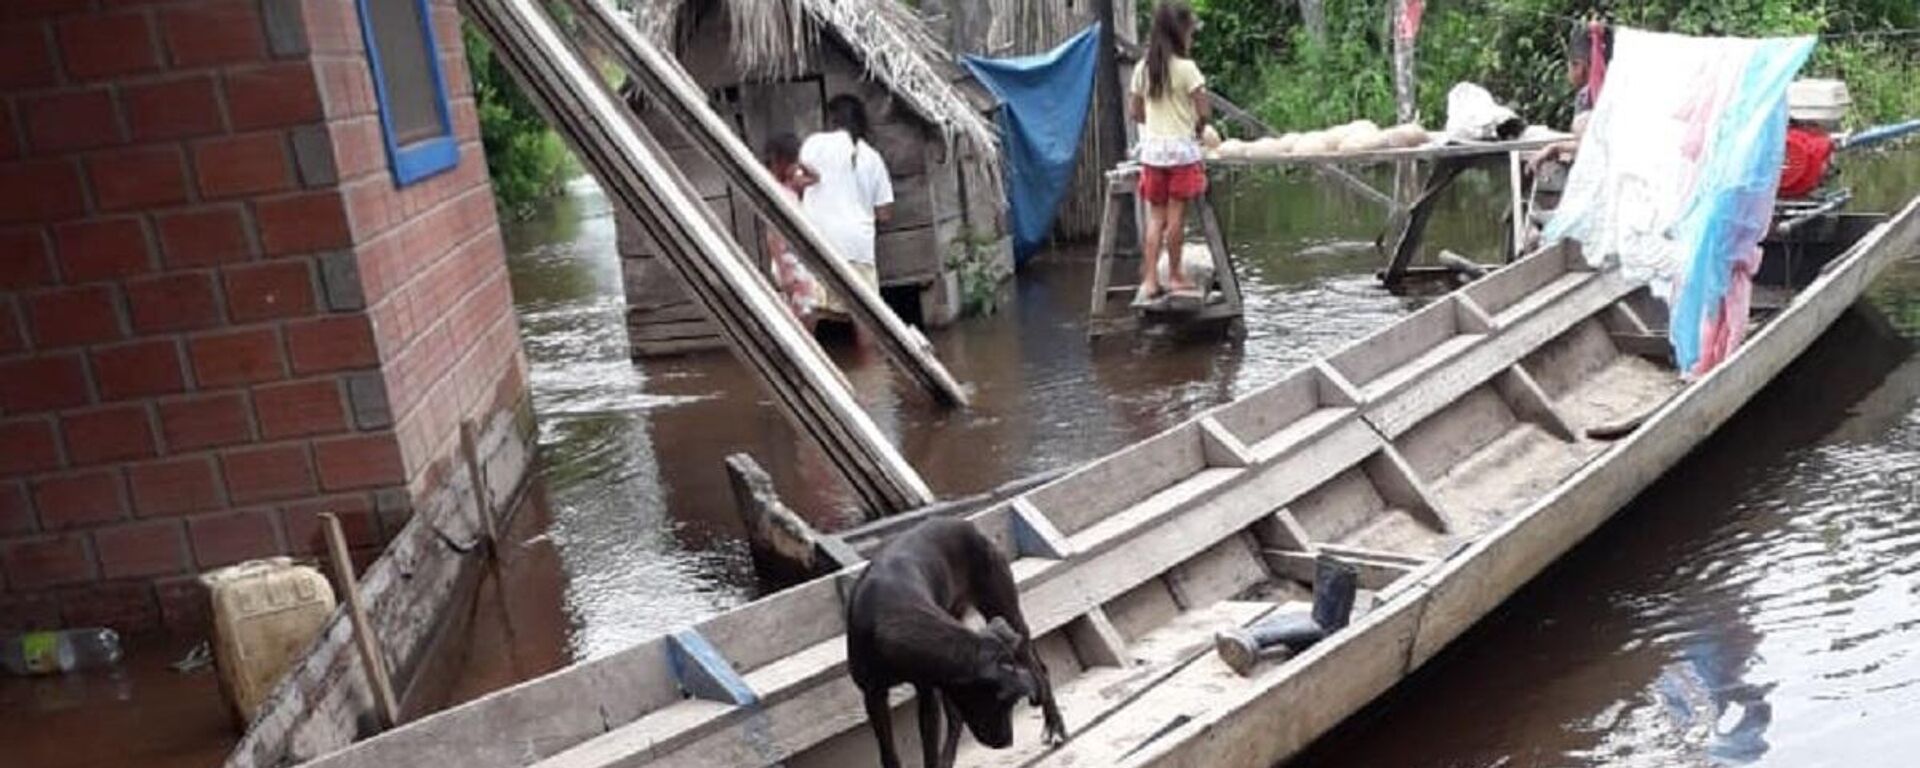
x: 651, y: 286
x: 903, y: 144
x: 682, y: 311
x: 679, y: 346
x: 1429, y: 152
x: 913, y: 204
x: 674, y: 331
x: 915, y: 256
x: 538, y: 717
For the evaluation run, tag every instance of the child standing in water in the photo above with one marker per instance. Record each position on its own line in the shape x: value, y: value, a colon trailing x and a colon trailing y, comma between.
x: 796, y: 285
x: 1169, y: 102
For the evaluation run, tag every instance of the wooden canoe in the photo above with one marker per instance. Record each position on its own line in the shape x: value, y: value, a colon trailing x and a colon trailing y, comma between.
x: 1447, y: 456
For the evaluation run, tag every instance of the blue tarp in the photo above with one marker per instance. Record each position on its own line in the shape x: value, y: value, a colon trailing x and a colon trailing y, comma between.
x: 1044, y: 102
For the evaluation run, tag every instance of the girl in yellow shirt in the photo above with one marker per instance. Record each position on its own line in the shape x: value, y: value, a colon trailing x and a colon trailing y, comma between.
x: 1169, y: 103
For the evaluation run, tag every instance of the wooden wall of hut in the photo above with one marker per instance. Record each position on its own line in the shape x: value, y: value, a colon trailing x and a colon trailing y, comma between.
x: 1017, y: 27
x: 662, y: 319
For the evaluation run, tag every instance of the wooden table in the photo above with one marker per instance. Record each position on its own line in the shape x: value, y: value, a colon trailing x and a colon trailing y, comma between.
x: 1406, y: 221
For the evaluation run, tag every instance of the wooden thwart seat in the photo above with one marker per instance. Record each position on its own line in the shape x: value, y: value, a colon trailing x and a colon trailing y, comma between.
x: 1096, y: 694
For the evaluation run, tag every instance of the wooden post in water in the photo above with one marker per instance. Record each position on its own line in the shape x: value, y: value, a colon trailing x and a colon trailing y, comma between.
x: 785, y: 549
x: 385, y: 704
x: 639, y: 177
x: 1112, y: 117
x: 1403, y: 78
x: 476, y: 474
x: 1405, y: 175
x: 668, y: 87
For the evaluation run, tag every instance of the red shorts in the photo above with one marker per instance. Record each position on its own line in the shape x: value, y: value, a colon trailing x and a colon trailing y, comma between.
x: 1180, y: 182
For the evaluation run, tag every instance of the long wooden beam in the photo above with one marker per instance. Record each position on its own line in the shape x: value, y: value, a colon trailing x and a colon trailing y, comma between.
x: 679, y: 98
x: 638, y: 176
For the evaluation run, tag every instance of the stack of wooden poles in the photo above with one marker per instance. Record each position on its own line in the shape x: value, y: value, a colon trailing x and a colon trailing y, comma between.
x: 722, y: 277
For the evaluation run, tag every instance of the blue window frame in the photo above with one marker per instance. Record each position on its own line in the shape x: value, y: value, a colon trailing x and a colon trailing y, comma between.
x: 415, y: 118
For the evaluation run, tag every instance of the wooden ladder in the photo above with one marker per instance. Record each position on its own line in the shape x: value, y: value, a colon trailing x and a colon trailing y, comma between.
x: 1220, y: 303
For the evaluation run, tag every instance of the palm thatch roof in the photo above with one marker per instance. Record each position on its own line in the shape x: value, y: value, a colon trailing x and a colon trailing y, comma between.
x: 773, y: 39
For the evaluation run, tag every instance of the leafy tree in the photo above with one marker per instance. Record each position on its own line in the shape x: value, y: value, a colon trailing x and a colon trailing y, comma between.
x: 1257, y: 53
x: 526, y: 159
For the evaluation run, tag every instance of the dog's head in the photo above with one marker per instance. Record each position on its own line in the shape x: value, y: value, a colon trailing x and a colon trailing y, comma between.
x: 999, y: 681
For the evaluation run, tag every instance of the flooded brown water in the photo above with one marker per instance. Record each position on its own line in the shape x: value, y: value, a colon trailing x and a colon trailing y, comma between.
x: 1773, y: 577
x: 632, y: 452
x: 140, y: 713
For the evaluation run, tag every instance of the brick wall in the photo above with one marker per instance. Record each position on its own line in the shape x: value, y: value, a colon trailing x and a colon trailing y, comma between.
x: 218, y: 316
x: 431, y: 266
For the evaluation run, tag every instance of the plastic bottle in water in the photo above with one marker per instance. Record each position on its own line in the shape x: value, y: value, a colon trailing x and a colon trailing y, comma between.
x: 47, y: 653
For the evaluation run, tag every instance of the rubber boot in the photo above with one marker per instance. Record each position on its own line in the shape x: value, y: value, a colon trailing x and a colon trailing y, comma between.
x: 1335, y: 584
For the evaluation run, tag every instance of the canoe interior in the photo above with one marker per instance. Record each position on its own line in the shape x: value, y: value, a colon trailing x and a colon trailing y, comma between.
x: 1446, y: 472
x: 1392, y: 453
x: 1395, y: 453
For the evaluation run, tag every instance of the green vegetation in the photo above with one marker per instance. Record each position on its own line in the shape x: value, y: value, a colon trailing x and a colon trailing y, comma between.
x: 527, y: 159
x: 971, y: 256
x: 1256, y: 52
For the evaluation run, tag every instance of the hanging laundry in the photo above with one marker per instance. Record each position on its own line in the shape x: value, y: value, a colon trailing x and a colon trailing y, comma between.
x: 1677, y: 173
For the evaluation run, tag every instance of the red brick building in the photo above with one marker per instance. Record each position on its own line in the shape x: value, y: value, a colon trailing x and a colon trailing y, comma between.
x: 249, y: 272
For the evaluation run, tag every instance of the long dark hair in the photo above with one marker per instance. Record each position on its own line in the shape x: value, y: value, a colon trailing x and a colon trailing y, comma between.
x: 1172, y: 26
x: 847, y: 113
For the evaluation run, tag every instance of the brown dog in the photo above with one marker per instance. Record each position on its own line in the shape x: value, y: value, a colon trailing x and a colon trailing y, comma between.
x: 904, y: 627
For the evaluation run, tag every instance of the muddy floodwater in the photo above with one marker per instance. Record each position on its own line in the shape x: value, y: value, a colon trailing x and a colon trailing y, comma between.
x: 1760, y: 603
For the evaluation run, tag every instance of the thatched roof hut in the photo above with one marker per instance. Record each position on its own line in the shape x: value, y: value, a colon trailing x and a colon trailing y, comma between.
x: 769, y: 66
x: 780, y: 39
